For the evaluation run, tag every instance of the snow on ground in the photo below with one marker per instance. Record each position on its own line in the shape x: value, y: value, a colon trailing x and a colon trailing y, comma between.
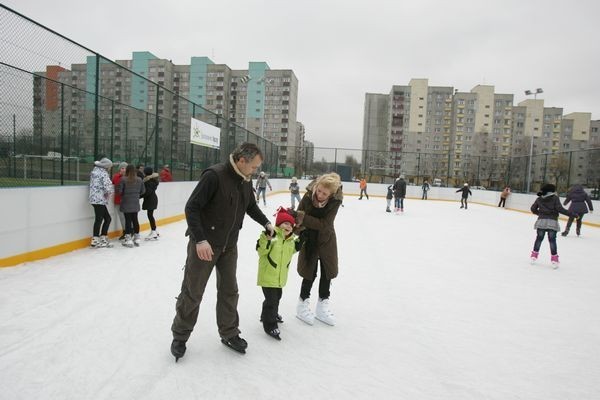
x: 436, y: 303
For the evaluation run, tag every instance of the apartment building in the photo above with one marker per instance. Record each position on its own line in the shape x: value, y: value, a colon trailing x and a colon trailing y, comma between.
x: 476, y: 135
x: 133, y: 109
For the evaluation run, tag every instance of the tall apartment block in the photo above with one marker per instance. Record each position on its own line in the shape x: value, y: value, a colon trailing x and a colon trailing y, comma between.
x: 438, y: 132
x: 259, y: 99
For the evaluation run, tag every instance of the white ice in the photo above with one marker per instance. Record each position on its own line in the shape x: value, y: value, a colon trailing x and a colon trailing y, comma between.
x: 435, y: 303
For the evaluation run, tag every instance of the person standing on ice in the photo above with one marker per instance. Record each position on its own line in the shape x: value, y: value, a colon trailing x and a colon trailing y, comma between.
x: 388, y: 197
x: 261, y: 187
x: 131, y: 189
x: 399, y: 194
x: 295, y: 192
x: 320, y: 205
x: 150, y: 203
x: 547, y: 207
x: 363, y: 188
x: 580, y: 201
x: 465, y: 195
x: 425, y: 189
x: 214, y: 214
x: 101, y: 188
x: 274, y: 257
x: 117, y: 199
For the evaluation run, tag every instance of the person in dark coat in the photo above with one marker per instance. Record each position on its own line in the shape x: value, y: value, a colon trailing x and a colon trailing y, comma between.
x: 580, y: 202
x: 465, y: 195
x: 131, y: 188
x: 214, y: 213
x: 319, y: 205
x: 547, y: 207
x: 389, y: 196
x: 150, y: 202
x: 399, y: 194
x: 425, y: 187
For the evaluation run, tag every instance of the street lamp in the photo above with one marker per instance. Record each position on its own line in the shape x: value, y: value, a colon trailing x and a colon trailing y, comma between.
x: 529, y: 93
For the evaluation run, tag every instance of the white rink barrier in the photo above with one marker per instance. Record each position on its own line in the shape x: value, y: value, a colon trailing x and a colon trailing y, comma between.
x: 39, y: 222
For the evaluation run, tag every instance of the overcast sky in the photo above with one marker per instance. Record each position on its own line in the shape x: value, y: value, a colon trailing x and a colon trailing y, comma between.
x: 340, y: 50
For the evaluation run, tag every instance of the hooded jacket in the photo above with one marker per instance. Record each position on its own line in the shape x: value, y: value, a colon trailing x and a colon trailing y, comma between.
x: 274, y: 259
x: 101, y: 186
x: 579, y: 199
x: 150, y: 198
x: 319, y: 235
x: 547, y: 206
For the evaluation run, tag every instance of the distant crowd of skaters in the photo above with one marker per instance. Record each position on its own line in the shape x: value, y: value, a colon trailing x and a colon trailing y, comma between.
x: 547, y: 207
x: 129, y: 184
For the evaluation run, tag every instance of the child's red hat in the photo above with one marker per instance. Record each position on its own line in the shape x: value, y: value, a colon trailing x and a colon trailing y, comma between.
x: 284, y: 216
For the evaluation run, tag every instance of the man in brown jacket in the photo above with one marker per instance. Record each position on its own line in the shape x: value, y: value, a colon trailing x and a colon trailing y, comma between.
x: 214, y: 213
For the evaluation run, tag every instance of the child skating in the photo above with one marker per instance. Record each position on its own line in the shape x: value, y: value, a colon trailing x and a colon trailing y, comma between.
x: 547, y: 207
x: 275, y: 254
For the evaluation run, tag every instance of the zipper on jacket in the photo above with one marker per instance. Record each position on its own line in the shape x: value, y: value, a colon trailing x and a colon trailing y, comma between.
x: 237, y: 201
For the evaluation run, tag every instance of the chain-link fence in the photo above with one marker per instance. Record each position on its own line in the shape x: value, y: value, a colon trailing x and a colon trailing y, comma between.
x: 62, y: 106
x: 445, y: 169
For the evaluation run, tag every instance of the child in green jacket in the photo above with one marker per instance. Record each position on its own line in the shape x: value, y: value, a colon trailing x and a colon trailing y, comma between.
x: 274, y: 257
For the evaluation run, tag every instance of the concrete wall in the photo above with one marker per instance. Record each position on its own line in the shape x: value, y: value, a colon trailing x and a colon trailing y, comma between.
x: 45, y: 221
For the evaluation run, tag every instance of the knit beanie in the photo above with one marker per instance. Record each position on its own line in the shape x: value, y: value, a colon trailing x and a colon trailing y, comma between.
x: 284, y: 216
x: 148, y: 171
x: 547, y: 188
x: 122, y: 165
x: 103, y: 163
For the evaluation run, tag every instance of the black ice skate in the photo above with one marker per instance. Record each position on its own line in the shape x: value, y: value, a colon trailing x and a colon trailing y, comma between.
x: 178, y: 349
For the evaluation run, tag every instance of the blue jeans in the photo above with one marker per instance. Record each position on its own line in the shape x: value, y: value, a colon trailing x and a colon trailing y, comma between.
x: 295, y: 196
x: 262, y: 190
x: 551, y: 239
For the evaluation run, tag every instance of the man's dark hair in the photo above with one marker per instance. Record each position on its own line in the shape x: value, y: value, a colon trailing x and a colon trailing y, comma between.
x: 246, y: 151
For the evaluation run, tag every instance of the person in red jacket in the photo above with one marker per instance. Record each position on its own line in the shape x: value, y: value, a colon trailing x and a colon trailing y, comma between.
x: 115, y: 180
x: 165, y: 174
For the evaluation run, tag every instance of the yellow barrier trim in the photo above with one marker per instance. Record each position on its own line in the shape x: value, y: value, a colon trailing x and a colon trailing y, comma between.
x: 74, y: 245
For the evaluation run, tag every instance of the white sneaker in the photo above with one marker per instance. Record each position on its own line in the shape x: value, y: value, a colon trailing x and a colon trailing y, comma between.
x: 153, y: 235
x: 303, y: 311
x: 104, y: 242
x: 128, y: 242
x: 136, y: 239
x: 323, y: 313
x: 95, y: 242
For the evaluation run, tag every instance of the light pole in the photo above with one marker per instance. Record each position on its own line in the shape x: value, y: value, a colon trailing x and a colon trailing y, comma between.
x: 529, y: 93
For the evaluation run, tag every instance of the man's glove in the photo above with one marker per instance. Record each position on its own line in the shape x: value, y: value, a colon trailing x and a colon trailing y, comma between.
x: 269, y: 230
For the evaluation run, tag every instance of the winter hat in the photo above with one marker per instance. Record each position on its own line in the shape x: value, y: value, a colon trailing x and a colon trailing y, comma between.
x: 284, y: 216
x: 262, y: 173
x: 294, y: 179
x: 402, y: 176
x: 103, y: 163
x: 466, y: 184
x: 148, y: 171
x: 123, y: 165
x: 547, y: 188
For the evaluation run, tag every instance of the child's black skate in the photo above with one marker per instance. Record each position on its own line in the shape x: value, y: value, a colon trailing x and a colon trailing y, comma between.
x: 279, y: 319
x: 178, y: 349
x: 274, y: 333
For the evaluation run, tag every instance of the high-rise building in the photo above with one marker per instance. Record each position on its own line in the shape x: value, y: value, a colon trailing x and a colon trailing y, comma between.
x: 259, y: 99
x: 430, y: 132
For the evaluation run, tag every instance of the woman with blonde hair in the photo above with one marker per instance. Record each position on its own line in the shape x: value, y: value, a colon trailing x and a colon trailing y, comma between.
x: 319, y: 205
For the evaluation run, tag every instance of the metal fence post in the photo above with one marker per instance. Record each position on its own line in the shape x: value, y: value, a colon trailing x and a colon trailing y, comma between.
x: 62, y: 134
x: 156, y: 122
x: 96, y: 111
x: 14, y: 145
x: 112, y: 128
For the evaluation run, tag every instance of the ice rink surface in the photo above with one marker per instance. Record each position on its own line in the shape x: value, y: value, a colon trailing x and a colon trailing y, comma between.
x: 435, y: 303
